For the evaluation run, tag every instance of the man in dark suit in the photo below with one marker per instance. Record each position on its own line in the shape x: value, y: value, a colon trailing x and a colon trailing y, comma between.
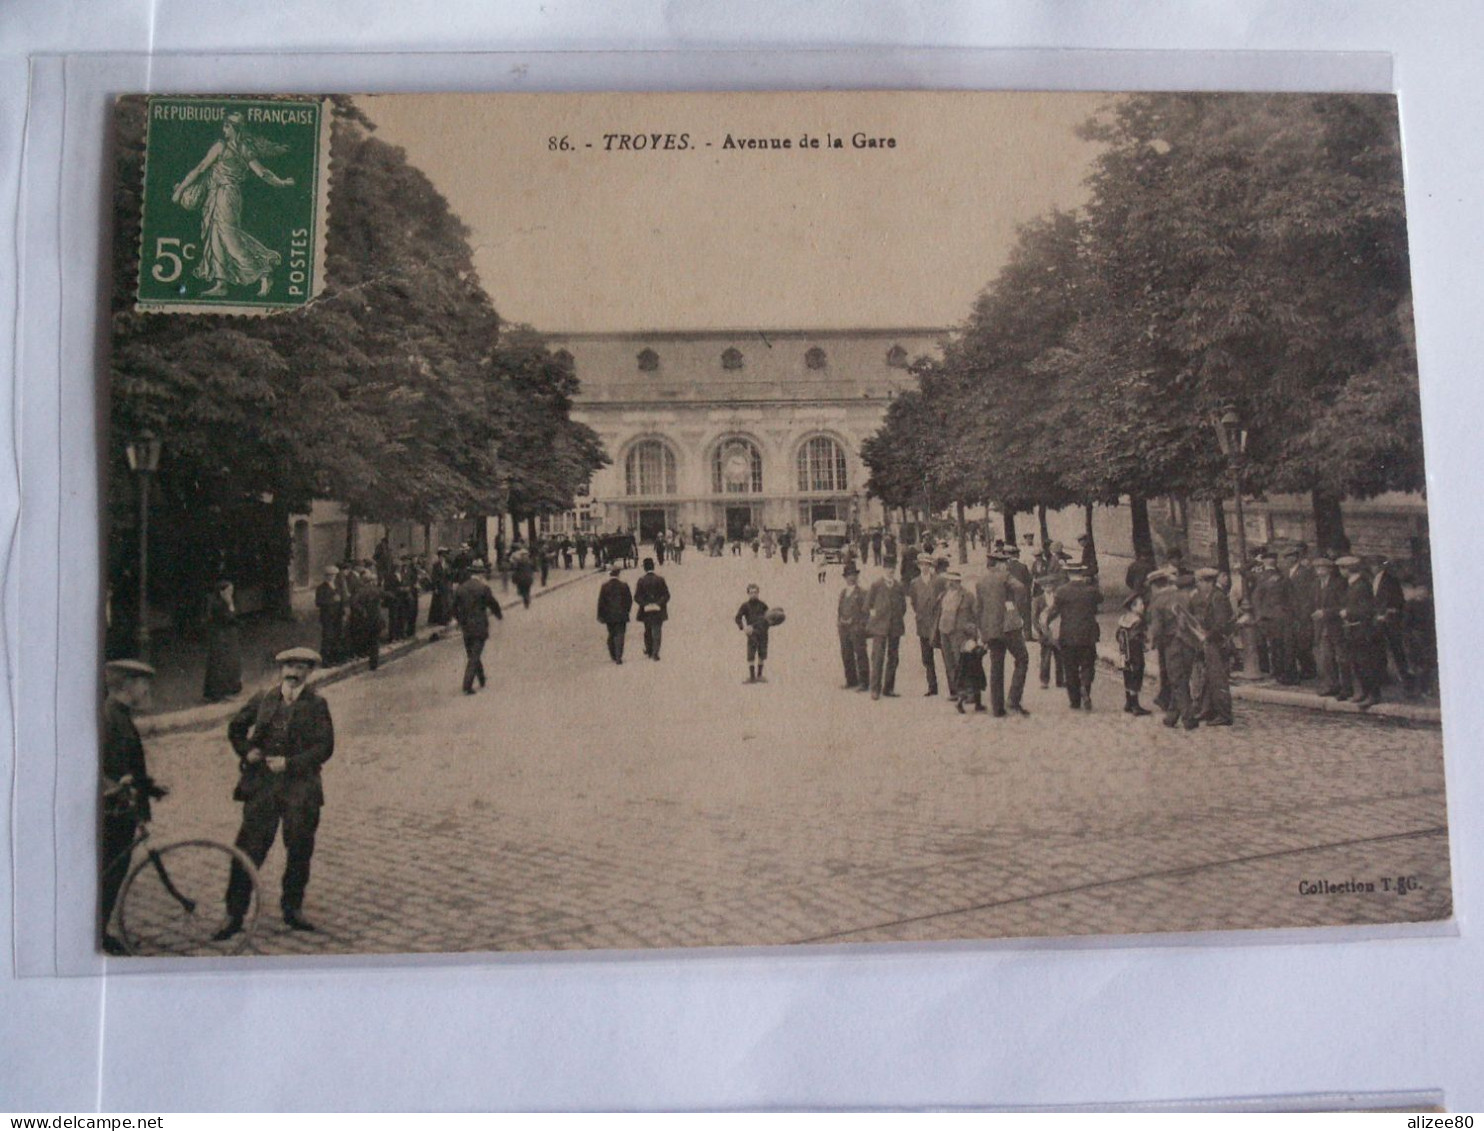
x: 282, y: 737
x: 127, y: 788
x: 1212, y: 610
x: 1273, y: 608
x: 472, y: 604
x: 1305, y: 599
x: 1076, y: 605
x: 1363, y: 640
x: 330, y: 602
x: 1001, y: 599
x: 652, y: 596
x: 886, y: 621
x: 365, y: 617
x: 615, y: 599
x: 1335, y: 676
x: 1391, y: 608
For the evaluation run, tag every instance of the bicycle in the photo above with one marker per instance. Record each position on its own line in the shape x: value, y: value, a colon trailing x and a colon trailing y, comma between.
x: 172, y: 902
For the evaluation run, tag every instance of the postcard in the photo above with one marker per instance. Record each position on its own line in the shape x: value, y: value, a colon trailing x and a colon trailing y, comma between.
x: 628, y: 521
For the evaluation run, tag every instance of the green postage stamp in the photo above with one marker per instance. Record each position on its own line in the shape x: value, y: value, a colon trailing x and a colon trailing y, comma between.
x: 235, y: 196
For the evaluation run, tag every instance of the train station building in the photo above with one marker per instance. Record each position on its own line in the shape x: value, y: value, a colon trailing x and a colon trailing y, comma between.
x: 728, y: 429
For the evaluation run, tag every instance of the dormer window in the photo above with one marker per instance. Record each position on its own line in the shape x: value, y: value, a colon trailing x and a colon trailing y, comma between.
x: 896, y: 357
x: 815, y: 358
x: 731, y: 358
x: 649, y: 361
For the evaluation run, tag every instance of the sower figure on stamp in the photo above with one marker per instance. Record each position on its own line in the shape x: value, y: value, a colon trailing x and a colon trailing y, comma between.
x: 652, y: 596
x: 282, y: 737
x: 615, y: 600
x: 472, y: 604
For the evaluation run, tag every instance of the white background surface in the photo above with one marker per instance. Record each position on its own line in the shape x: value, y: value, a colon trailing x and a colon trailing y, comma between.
x: 958, y: 1026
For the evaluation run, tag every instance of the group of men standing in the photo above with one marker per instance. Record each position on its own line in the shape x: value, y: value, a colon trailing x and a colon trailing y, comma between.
x: 962, y: 625
x: 1332, y: 619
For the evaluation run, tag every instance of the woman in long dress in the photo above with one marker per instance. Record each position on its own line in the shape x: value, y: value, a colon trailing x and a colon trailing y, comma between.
x: 229, y: 254
x: 224, y: 646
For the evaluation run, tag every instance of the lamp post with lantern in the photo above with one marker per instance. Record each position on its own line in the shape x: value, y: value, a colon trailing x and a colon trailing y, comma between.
x: 143, y: 453
x: 1233, y: 440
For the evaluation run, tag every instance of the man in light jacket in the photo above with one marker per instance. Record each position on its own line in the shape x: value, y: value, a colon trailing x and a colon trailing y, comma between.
x: 1000, y: 598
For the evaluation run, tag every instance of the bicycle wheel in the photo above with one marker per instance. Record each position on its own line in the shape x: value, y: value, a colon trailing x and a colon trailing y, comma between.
x: 174, y: 900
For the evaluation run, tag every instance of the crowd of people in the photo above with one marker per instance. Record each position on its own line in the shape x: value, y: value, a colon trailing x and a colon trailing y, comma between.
x: 1336, y: 621
x: 1345, y: 624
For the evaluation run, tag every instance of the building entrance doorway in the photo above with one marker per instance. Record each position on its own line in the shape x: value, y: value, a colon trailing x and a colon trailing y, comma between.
x: 823, y: 512
x: 738, y: 520
x: 652, y: 522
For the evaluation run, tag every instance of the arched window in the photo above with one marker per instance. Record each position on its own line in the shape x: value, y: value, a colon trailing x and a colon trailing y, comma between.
x: 649, y: 361
x: 737, y: 468
x: 649, y: 469
x: 731, y: 358
x: 815, y: 358
x: 822, y: 466
x: 896, y: 357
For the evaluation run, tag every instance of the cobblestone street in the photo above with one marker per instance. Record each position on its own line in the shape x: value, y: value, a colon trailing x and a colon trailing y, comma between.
x: 578, y: 804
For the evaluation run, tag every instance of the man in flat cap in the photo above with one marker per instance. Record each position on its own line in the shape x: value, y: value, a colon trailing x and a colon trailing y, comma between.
x: 127, y: 788
x: 472, y: 604
x: 282, y: 737
x: 615, y: 601
x: 1076, y: 604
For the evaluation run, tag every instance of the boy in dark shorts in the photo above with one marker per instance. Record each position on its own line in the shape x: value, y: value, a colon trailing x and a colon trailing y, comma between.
x: 752, y: 618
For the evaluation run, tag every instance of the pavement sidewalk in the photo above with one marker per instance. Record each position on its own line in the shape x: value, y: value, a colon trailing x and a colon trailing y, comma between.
x: 207, y: 715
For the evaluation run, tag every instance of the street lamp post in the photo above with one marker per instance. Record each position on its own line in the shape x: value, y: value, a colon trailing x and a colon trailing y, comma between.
x: 144, y: 460
x: 1233, y: 439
